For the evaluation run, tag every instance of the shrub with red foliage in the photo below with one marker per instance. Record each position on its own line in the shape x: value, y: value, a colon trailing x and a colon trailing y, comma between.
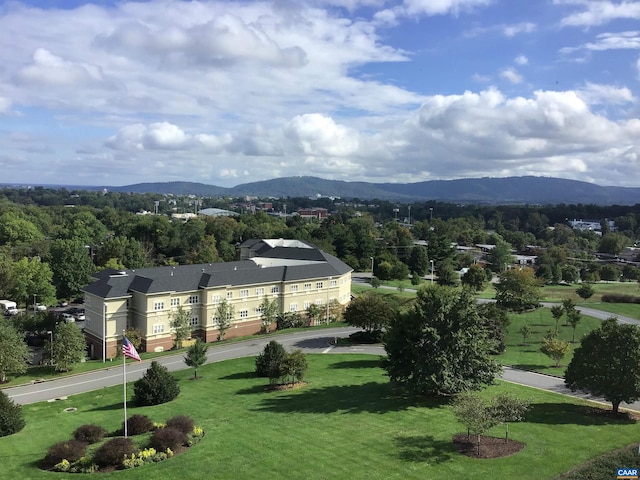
x: 89, y: 433
x: 138, y: 424
x: 181, y: 422
x: 112, y: 452
x: 71, y: 450
x: 168, y: 438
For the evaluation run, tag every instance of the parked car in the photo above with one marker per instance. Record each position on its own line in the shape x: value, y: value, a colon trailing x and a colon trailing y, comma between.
x: 67, y: 317
x: 79, y: 316
x: 40, y: 307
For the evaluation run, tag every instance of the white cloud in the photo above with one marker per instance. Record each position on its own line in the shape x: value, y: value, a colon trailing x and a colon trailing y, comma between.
x: 5, y: 105
x: 512, y: 75
x: 442, y: 7
x: 521, y: 60
x: 600, y: 12
x: 319, y: 135
x: 515, y: 29
x: 596, y: 94
x: 52, y: 70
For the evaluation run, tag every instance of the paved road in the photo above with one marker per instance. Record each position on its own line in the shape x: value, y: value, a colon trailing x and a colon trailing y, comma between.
x: 312, y: 341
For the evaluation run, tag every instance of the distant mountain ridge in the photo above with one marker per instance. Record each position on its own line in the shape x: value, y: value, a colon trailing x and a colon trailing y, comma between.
x: 487, y: 190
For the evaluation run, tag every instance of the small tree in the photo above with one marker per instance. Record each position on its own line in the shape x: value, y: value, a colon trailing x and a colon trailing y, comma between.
x: 568, y: 305
x: 224, y: 314
x: 475, y: 278
x: 269, y: 361
x: 375, y: 282
x: 181, y: 324
x: 314, y: 313
x: 573, y: 319
x: 556, y: 312
x: 555, y: 349
x: 585, y: 291
x: 134, y: 336
x: 68, y: 346
x: 506, y: 408
x: 11, y: 419
x: 14, y: 352
x: 269, y: 313
x: 196, y: 356
x: 474, y: 414
x: 369, y: 311
x: 156, y: 386
x: 294, y: 367
x: 525, y: 331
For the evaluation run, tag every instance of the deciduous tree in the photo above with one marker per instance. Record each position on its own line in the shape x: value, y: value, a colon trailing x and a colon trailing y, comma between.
x: 607, y: 363
x: 368, y: 311
x: 507, y: 408
x: 14, y: 353
x: 440, y: 346
x: 475, y: 278
x: 518, y: 289
x: 269, y: 310
x: 181, y: 325
x: 224, y: 316
x: 68, y: 346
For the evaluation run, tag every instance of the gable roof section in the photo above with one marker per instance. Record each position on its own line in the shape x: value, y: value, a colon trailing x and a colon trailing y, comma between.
x: 305, y: 263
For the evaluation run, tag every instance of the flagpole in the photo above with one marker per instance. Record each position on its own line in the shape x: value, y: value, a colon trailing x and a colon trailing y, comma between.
x: 124, y: 384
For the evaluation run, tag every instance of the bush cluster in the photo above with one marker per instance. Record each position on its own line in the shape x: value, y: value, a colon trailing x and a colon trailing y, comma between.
x: 291, y: 320
x: 11, y: 419
x: 113, y: 452
x: 70, y: 450
x: 374, y: 336
x: 89, y: 433
x: 620, y: 298
x: 182, y: 423
x: 270, y: 359
x: 168, y: 438
x: 138, y: 424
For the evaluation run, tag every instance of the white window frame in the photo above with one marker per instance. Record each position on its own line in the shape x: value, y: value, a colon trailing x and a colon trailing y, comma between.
x: 294, y: 288
x: 333, y: 283
x: 157, y: 306
x: 229, y: 295
x: 244, y: 293
x: 193, y: 299
x: 275, y: 289
x: 158, y: 328
x: 194, y: 321
x: 293, y: 307
x: 244, y: 313
x: 216, y: 298
x: 260, y: 291
x: 175, y: 302
x: 319, y: 285
x: 307, y: 286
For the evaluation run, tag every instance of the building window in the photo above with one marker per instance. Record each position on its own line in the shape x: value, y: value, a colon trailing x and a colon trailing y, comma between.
x: 293, y: 307
x: 158, y: 306
x: 193, y: 299
x: 244, y: 313
x: 229, y: 295
x: 175, y: 302
x: 214, y: 320
x: 215, y: 298
x: 319, y: 302
x: 194, y: 321
x: 307, y: 286
x: 260, y: 291
x: 158, y: 328
x: 275, y: 289
x: 319, y: 285
x: 333, y: 283
x: 244, y: 293
x: 307, y: 305
x: 294, y: 288
x: 259, y: 311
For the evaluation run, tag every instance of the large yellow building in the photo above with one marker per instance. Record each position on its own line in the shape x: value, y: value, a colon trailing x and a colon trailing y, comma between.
x: 292, y: 272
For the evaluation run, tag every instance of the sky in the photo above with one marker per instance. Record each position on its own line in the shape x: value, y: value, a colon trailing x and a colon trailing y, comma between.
x: 230, y: 92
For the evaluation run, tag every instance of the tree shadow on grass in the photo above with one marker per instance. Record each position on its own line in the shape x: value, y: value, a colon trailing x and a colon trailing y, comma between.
x: 319, y: 343
x: 240, y: 376
x: 569, y: 413
x: 255, y: 389
x: 113, y: 406
x: 424, y: 448
x: 369, y: 363
x: 529, y: 366
x: 370, y: 397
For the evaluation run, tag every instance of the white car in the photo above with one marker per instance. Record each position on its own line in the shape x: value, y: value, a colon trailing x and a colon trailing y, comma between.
x: 79, y: 316
x: 40, y: 307
x: 67, y: 317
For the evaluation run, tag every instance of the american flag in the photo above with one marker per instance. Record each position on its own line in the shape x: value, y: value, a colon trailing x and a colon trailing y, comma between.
x: 128, y: 350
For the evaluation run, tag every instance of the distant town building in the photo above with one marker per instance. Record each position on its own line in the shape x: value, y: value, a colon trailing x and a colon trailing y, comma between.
x: 591, y: 225
x: 217, y: 212
x: 313, y: 213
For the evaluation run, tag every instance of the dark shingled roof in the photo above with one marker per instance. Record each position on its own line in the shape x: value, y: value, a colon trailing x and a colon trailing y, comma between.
x: 112, y: 283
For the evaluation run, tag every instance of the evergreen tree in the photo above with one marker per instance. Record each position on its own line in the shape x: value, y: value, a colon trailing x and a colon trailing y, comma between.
x: 156, y: 386
x: 196, y: 356
x: 11, y: 419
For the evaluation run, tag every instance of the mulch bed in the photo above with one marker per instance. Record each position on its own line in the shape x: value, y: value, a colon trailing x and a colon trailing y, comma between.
x: 490, y: 447
x: 285, y: 386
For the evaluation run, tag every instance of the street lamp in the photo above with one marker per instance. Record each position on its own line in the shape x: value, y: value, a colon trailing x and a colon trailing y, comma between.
x: 104, y: 338
x: 371, y: 269
x: 50, y: 332
x: 432, y: 265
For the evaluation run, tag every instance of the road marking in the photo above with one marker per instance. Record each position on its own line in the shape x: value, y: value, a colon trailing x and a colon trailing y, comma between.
x: 327, y: 350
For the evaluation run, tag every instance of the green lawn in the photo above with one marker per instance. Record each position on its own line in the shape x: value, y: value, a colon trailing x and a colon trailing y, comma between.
x: 346, y: 423
x: 528, y: 356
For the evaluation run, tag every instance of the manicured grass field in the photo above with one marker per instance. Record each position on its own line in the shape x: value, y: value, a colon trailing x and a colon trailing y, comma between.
x: 528, y: 356
x: 348, y: 422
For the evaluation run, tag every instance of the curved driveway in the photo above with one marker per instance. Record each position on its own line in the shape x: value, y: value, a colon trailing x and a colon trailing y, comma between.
x: 311, y: 341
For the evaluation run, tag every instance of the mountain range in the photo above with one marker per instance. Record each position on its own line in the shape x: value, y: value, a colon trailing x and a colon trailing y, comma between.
x: 507, y: 190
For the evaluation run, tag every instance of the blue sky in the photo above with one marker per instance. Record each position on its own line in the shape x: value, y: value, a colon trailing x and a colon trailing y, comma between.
x: 224, y: 93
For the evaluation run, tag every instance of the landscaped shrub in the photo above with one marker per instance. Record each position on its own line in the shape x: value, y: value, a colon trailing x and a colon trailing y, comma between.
x: 70, y: 450
x: 11, y: 419
x: 171, y: 438
x: 181, y: 422
x: 89, y: 433
x: 156, y: 386
x: 291, y: 320
x: 138, y: 424
x: 113, y: 452
x: 620, y: 298
x: 269, y: 361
